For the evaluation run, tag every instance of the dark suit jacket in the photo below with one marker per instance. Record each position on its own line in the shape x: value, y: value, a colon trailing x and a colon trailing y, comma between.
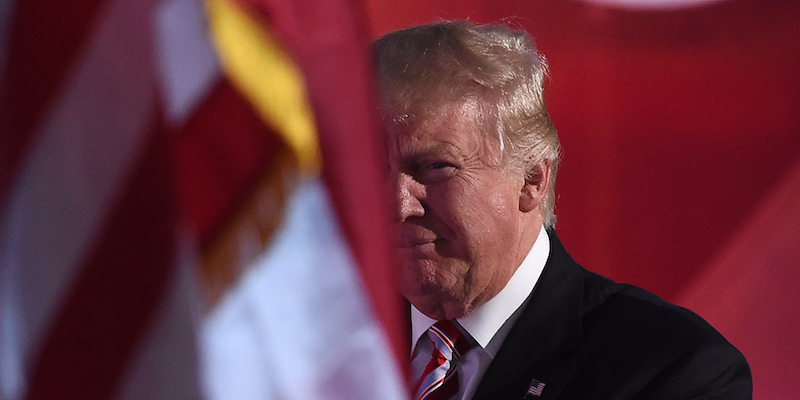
x: 586, y: 337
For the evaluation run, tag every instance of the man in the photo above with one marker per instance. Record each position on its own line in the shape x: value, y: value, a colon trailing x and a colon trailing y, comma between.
x: 499, y: 309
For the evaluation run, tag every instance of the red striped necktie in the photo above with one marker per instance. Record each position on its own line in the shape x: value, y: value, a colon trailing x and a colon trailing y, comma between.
x: 439, y: 381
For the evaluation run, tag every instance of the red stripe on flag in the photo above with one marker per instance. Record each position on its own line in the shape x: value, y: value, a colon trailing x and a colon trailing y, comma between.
x: 44, y: 37
x: 329, y: 41
x: 220, y: 152
x: 115, y: 296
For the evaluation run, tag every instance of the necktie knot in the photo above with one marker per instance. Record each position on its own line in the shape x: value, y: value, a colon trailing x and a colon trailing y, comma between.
x: 439, y: 380
x: 446, y: 336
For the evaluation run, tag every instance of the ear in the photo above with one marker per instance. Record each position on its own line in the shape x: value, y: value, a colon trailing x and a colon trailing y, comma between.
x: 535, y: 187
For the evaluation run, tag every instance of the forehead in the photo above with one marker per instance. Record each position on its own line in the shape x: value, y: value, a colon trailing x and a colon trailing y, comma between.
x: 464, y: 127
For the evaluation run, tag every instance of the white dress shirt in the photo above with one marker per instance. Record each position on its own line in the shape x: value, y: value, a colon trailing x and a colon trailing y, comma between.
x: 488, y: 324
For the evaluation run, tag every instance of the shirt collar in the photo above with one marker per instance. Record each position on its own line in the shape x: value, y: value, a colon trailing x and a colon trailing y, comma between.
x: 483, y: 323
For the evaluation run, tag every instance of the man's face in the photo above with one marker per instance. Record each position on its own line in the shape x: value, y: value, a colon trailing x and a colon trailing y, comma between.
x: 462, y: 232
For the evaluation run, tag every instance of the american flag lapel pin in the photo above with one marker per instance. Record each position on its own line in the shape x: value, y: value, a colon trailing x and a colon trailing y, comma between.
x: 535, y: 389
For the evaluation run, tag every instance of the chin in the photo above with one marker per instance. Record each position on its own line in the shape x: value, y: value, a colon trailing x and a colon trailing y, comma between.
x: 421, y: 290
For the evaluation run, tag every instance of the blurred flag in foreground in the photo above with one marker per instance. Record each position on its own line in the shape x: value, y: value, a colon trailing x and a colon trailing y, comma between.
x: 191, y: 203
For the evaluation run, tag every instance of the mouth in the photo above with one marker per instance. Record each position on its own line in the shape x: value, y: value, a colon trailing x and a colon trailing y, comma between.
x: 413, y: 243
x: 418, y: 249
x: 413, y: 237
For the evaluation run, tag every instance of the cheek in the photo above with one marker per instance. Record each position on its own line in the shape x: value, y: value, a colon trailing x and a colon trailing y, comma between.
x: 472, y: 204
x: 486, y: 224
x: 502, y: 204
x: 498, y: 202
x: 495, y: 225
x: 478, y: 213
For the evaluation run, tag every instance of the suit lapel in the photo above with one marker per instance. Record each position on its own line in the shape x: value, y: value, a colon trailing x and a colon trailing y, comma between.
x: 541, y: 343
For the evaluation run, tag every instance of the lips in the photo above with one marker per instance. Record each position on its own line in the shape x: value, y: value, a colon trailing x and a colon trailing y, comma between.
x: 414, y: 236
x: 415, y: 242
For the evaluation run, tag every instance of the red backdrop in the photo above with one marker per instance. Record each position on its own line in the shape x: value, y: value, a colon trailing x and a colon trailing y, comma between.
x: 679, y: 129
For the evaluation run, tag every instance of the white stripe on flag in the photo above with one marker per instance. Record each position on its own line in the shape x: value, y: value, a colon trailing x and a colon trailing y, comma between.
x: 85, y: 146
x: 297, y: 326
x: 187, y: 62
x: 11, y: 369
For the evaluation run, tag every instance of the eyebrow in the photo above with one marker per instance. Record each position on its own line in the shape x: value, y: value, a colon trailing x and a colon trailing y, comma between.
x: 435, y: 149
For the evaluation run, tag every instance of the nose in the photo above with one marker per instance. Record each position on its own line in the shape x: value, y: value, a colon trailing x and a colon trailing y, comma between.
x: 409, y: 196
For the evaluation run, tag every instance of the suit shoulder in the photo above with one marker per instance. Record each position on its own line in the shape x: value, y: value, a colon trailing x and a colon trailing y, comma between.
x: 667, y: 350
x: 633, y: 318
x: 629, y: 343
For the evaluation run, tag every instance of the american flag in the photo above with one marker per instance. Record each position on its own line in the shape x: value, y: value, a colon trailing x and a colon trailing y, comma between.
x: 133, y: 159
x: 536, y: 388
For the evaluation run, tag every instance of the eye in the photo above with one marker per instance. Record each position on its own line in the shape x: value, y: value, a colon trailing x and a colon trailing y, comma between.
x: 440, y: 165
x: 436, y: 171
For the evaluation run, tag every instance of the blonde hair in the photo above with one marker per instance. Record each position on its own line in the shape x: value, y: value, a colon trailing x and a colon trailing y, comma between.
x: 424, y: 67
